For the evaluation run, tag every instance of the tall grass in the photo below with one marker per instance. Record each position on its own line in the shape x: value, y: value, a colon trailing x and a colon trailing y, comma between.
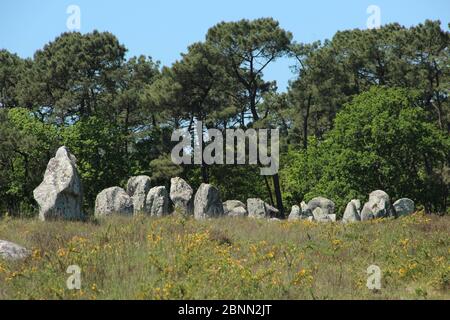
x: 228, y: 258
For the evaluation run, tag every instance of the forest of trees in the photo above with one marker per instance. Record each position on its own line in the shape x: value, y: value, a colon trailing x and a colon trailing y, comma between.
x: 368, y: 109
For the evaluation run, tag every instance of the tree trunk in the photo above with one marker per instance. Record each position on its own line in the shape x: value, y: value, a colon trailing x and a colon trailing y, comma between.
x: 305, y: 123
x: 276, y: 186
x: 269, y: 191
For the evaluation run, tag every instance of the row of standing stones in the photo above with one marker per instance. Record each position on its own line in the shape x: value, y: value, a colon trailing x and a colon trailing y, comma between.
x: 60, y: 196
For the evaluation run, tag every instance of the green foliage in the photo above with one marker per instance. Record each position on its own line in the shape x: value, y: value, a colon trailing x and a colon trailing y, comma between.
x: 381, y: 140
x: 117, y: 114
x: 100, y: 149
x: 26, y: 144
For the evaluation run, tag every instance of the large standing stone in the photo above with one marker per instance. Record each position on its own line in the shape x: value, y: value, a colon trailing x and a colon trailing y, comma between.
x: 403, y: 207
x: 207, y: 203
x: 181, y: 195
x: 113, y: 201
x: 60, y: 195
x: 234, y: 208
x: 12, y: 251
x: 157, y: 203
x: 352, y: 211
x: 378, y: 206
x: 138, y: 188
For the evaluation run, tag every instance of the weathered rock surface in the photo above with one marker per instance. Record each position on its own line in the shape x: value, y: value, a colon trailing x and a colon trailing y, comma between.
x: 257, y: 208
x: 60, y: 195
x: 325, y: 204
x: 320, y: 215
x: 207, y: 202
x: 352, y: 212
x: 378, y: 206
x: 321, y: 209
x: 138, y: 188
x: 157, y: 202
x: 303, y: 206
x: 12, y: 251
x: 403, y: 207
x: 271, y: 211
x: 295, y: 213
x: 181, y: 195
x: 234, y: 208
x: 113, y: 201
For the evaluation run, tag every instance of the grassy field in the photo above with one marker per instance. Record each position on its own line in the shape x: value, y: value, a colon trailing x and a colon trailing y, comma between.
x: 229, y: 258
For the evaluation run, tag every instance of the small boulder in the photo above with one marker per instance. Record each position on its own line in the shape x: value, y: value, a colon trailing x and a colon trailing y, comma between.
x: 207, y: 203
x: 403, y: 207
x: 60, y: 195
x: 325, y: 204
x: 378, y: 206
x: 181, y: 196
x: 234, y: 208
x: 256, y: 208
x: 138, y: 188
x: 113, y: 201
x: 352, y: 211
x: 12, y: 251
x: 271, y: 211
x: 295, y: 213
x: 303, y: 206
x: 157, y: 202
x: 320, y: 215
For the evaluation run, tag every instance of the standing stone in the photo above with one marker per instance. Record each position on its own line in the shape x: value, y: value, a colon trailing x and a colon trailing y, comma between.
x: 207, y: 203
x: 113, y: 201
x: 378, y: 206
x: 327, y: 206
x: 259, y: 209
x: 157, y: 203
x: 60, y: 195
x: 138, y: 188
x: 234, y: 208
x: 256, y: 208
x: 295, y: 213
x: 320, y: 215
x: 181, y: 195
x: 12, y: 251
x: 271, y: 211
x: 403, y: 207
x: 303, y: 206
x: 352, y: 212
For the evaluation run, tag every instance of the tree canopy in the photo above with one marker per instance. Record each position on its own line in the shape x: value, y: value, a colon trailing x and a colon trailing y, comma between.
x: 367, y: 109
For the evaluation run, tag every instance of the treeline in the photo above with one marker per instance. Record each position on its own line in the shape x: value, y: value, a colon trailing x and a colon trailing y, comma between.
x: 369, y: 109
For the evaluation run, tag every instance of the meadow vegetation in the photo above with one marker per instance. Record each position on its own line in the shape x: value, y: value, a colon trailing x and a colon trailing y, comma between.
x: 228, y: 258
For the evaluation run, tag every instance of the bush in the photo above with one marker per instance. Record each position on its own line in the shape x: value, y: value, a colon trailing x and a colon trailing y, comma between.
x: 381, y: 140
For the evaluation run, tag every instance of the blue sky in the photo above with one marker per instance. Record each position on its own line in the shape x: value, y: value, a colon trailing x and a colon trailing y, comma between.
x: 164, y: 28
